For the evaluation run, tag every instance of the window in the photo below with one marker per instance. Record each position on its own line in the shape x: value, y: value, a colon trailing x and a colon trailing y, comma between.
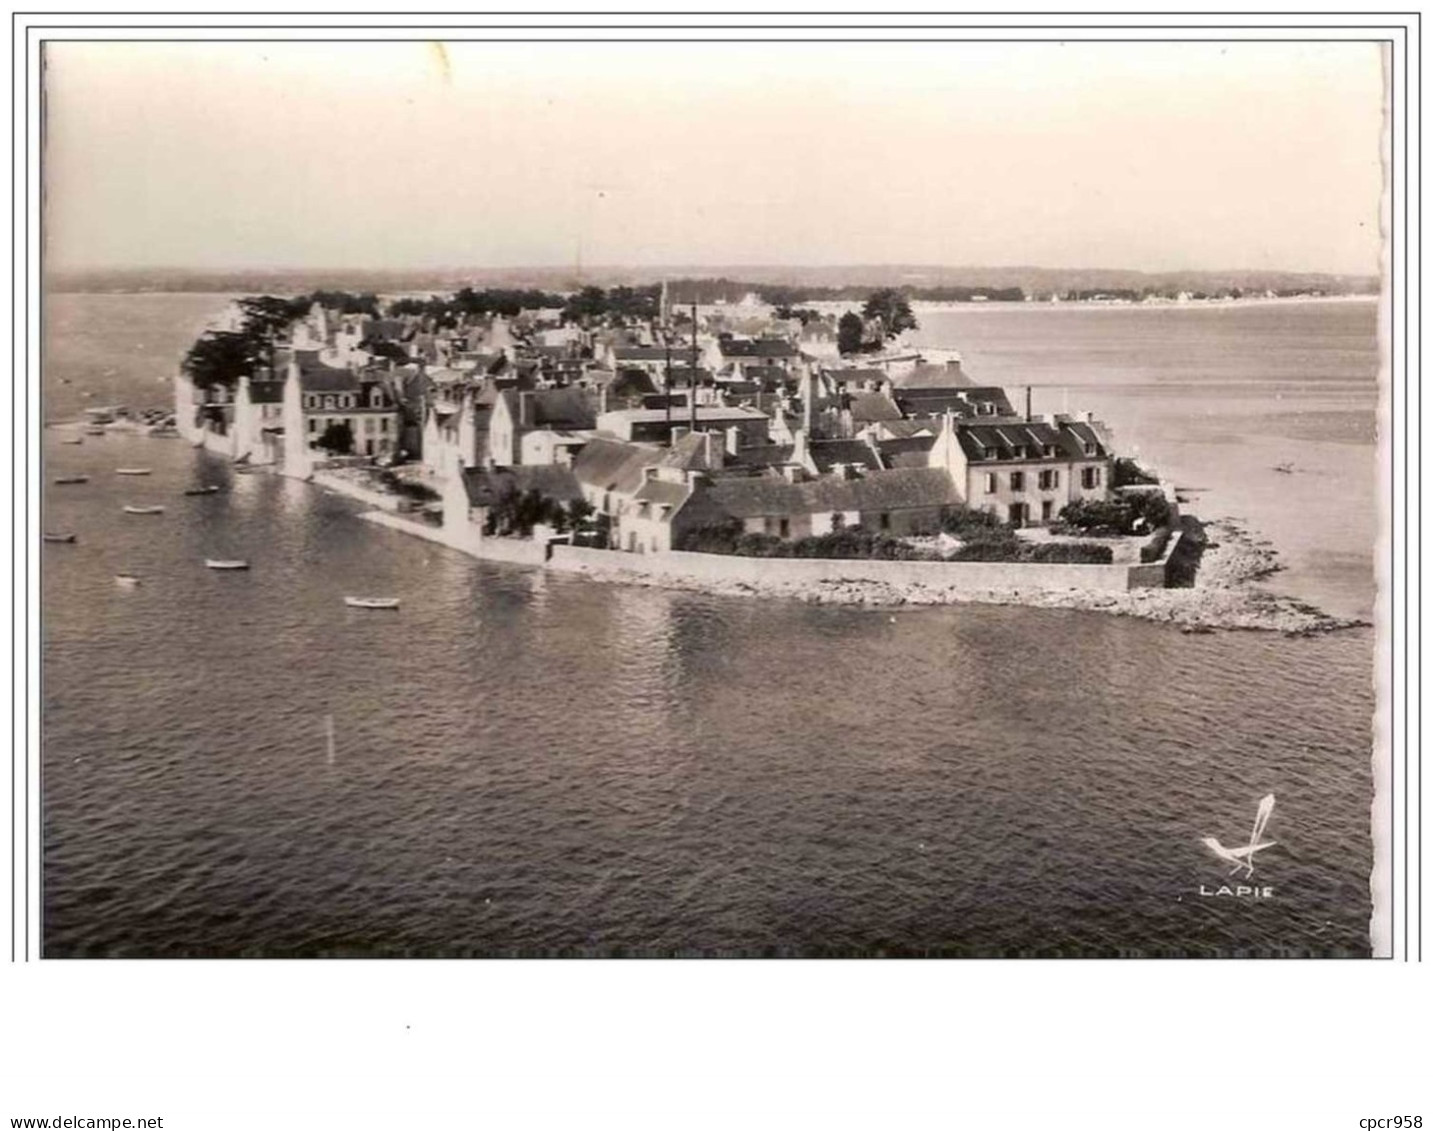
x: 1017, y: 481
x: 991, y: 483
x: 383, y: 425
x: 885, y: 520
x: 785, y: 527
x: 1090, y: 449
x: 1049, y: 480
x: 1090, y: 477
x: 312, y: 424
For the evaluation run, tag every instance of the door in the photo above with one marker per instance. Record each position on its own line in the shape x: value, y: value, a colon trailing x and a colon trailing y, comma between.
x: 1017, y: 514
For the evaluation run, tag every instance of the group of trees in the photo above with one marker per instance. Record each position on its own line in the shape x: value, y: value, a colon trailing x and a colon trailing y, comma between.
x: 886, y: 315
x: 616, y: 305
x: 516, y: 513
x: 1137, y: 512
x: 507, y: 301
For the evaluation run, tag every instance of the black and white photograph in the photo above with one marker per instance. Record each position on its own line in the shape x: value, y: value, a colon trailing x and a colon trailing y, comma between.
x: 679, y: 571
x: 710, y: 499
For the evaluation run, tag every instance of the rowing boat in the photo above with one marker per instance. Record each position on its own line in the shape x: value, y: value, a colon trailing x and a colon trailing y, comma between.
x: 208, y: 489
x: 371, y: 602
x: 65, y: 479
x: 131, y: 471
x: 58, y: 537
x: 143, y: 510
x: 126, y: 579
x: 223, y: 563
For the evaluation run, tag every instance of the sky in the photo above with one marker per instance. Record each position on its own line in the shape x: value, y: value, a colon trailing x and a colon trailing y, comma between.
x: 416, y: 155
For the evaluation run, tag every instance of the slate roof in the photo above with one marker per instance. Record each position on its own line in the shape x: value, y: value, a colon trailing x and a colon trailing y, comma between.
x: 873, y: 408
x: 826, y: 454
x: 960, y: 400
x: 661, y: 491
x: 762, y: 496
x: 614, y: 465
x: 912, y: 452
x: 316, y: 377
x: 988, y: 443
x: 567, y: 408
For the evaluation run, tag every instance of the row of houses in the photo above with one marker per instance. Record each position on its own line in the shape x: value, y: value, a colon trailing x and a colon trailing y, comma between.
x: 662, y: 434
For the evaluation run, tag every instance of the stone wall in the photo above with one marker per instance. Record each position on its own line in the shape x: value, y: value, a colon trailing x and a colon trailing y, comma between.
x: 972, y: 576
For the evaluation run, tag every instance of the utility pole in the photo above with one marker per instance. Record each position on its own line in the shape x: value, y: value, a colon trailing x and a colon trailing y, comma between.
x: 692, y: 384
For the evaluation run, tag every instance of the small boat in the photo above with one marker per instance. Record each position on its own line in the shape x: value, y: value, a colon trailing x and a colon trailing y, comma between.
x: 66, y: 479
x: 73, y: 440
x: 1284, y: 468
x: 223, y: 563
x: 95, y: 431
x: 131, y: 471
x: 143, y: 510
x: 128, y: 580
x: 371, y: 602
x: 207, y: 489
x: 58, y: 537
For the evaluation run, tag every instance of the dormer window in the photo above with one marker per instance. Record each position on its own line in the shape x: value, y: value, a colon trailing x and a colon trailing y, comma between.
x: 1091, y: 449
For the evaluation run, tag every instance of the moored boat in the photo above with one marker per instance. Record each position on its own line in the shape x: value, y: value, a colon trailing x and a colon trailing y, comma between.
x: 131, y: 471
x: 66, y: 479
x: 226, y: 563
x: 73, y: 440
x: 95, y: 431
x: 48, y: 537
x: 143, y: 510
x: 207, y: 489
x: 371, y: 602
x: 127, y: 580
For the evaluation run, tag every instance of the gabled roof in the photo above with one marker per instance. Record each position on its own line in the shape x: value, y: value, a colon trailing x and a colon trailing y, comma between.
x: 565, y: 408
x: 826, y: 454
x: 960, y: 400
x: 614, y: 465
x: 762, y: 496
x: 873, y: 408
x: 912, y: 452
x: 987, y: 443
x: 316, y: 377
x: 693, y: 452
x: 662, y: 491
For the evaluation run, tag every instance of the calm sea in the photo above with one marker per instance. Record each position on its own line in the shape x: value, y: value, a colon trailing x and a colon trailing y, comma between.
x: 530, y: 764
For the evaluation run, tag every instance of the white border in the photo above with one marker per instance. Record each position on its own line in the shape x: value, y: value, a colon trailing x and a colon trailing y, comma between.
x: 1180, y: 1044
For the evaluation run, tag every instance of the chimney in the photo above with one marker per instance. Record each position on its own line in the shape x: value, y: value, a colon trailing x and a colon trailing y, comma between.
x: 602, y: 399
x: 713, y: 452
x: 1029, y: 416
x: 733, y: 440
x: 679, y: 433
x: 524, y: 409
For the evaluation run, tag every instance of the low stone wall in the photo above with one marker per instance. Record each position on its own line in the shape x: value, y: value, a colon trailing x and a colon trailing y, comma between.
x: 1155, y: 575
x: 342, y: 486
x: 972, y: 576
x: 468, y: 540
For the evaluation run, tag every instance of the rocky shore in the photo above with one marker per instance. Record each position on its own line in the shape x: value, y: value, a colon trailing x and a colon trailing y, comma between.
x: 1225, y: 593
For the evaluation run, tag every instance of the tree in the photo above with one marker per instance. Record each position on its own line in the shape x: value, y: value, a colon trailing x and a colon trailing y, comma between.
x: 337, y: 438
x: 891, y: 307
x: 220, y: 357
x: 850, y: 333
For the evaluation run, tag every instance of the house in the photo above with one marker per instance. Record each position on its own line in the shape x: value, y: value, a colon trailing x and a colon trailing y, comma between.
x: 739, y: 354
x: 519, y: 412
x: 609, y: 472
x: 329, y: 396
x: 900, y: 501
x: 1026, y: 471
x: 655, y: 425
x: 485, y: 487
x: 964, y: 401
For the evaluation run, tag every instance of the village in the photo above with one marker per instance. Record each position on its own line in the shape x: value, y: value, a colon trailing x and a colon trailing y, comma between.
x: 646, y: 426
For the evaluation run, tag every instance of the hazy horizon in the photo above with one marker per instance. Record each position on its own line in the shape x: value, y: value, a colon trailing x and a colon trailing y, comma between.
x: 1157, y: 157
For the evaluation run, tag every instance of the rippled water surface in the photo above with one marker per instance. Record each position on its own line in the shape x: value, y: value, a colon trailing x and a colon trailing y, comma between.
x: 530, y: 764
